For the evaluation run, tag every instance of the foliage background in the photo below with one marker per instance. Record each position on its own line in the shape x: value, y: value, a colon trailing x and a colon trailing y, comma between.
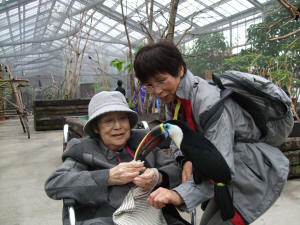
x: 277, y: 60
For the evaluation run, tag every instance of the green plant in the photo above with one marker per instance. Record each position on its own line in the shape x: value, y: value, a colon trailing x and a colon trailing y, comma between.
x: 117, y: 63
x: 277, y: 60
x: 120, y: 65
x: 48, y: 94
x: 277, y: 22
x: 279, y: 70
x: 207, y: 53
x: 131, y: 103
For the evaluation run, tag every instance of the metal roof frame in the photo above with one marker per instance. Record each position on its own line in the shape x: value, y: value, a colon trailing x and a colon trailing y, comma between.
x: 42, y: 37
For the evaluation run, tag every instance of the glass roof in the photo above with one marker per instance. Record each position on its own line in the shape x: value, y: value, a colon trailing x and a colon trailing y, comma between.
x: 34, y: 34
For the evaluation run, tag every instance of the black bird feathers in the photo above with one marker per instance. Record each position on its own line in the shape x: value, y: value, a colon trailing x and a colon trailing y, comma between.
x: 207, y: 160
x: 208, y: 163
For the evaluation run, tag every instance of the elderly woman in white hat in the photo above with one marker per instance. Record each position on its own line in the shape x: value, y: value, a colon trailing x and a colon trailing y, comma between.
x: 98, y: 170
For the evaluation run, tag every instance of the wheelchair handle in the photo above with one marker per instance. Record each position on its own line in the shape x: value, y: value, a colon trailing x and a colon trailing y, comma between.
x: 70, y: 204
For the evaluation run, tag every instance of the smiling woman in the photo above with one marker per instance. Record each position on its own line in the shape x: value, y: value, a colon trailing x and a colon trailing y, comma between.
x: 114, y: 129
x: 98, y: 171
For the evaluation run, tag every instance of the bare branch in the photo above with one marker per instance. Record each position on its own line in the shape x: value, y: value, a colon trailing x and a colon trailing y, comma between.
x: 285, y: 36
x: 132, y: 84
x: 85, y: 44
x: 103, y: 71
x: 145, y: 29
x: 151, y: 22
x: 172, y: 19
x: 252, y: 63
x: 10, y: 102
x: 190, y: 27
x: 273, y: 11
x: 277, y: 22
x: 293, y: 9
x: 293, y: 42
x: 287, y: 22
x: 142, y: 21
x: 160, y: 32
x: 293, y: 105
x: 75, y: 54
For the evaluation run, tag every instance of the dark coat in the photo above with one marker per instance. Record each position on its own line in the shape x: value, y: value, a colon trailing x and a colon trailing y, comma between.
x: 121, y: 89
x: 84, y: 172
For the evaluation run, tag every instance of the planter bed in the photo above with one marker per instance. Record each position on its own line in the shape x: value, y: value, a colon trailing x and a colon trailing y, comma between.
x: 50, y: 114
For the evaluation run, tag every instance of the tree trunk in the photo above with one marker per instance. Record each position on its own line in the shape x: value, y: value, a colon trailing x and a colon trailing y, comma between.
x: 170, y: 37
x: 150, y: 41
x: 131, y: 72
x: 2, y: 116
x: 172, y: 19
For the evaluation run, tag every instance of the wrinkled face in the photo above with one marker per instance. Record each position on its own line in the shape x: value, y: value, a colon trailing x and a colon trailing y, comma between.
x: 164, y: 86
x: 114, y: 129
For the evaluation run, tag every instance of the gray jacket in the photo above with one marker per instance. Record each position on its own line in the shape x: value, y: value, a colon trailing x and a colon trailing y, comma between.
x: 84, y: 173
x: 259, y: 171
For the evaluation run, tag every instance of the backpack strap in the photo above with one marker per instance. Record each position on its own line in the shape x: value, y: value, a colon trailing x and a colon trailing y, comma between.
x: 217, y: 80
x: 214, y: 113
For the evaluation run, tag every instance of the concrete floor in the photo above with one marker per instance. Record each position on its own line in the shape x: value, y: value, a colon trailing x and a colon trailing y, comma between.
x: 25, y: 164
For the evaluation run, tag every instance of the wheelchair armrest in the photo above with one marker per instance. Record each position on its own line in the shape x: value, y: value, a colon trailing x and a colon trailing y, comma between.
x: 73, y: 128
x: 70, y: 203
x: 143, y: 125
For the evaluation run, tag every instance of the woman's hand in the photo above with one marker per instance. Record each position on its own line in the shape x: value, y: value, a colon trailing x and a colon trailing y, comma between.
x: 162, y: 196
x: 187, y: 171
x: 148, y: 179
x: 125, y: 172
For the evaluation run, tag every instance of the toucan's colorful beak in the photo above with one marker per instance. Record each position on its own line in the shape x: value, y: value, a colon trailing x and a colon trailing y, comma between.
x: 150, y: 141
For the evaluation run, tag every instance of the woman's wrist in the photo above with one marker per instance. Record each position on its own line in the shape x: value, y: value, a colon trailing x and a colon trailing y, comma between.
x: 176, y: 199
x: 156, y: 177
x: 110, y: 180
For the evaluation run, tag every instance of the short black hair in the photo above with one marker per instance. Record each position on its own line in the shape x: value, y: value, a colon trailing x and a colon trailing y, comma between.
x: 162, y: 57
x: 119, y: 83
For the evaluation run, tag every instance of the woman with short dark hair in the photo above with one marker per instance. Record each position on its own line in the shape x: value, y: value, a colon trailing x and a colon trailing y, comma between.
x: 258, y: 170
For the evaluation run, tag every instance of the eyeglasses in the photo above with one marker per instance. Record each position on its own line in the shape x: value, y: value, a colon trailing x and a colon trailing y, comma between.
x: 158, y: 84
x: 111, y: 121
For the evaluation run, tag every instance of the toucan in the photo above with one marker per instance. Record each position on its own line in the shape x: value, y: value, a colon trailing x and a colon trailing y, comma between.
x: 208, y: 162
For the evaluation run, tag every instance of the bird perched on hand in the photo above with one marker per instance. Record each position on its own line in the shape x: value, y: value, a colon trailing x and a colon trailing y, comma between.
x: 208, y: 162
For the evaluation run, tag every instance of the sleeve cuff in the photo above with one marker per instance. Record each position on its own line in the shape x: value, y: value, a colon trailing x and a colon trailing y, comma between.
x: 100, y: 177
x: 165, y: 180
x: 193, y: 195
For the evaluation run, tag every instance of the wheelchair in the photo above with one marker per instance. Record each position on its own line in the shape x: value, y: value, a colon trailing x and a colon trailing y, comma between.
x: 73, y: 128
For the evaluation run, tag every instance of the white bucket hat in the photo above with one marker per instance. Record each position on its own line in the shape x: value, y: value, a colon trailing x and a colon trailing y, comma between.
x: 108, y: 101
